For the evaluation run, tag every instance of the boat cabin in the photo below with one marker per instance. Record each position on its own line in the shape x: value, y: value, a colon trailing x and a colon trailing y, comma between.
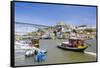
x: 35, y: 42
x: 76, y: 42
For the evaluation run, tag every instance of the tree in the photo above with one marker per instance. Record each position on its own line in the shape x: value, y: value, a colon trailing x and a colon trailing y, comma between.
x: 74, y: 31
x: 18, y: 37
x: 89, y: 30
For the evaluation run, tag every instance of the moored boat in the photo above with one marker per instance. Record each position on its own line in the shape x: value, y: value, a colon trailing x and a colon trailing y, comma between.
x: 73, y: 48
x: 74, y: 44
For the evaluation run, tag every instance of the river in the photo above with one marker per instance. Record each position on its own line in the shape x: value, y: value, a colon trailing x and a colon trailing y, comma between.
x: 55, y: 55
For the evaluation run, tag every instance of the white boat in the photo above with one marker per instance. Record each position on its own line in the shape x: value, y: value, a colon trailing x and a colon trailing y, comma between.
x: 33, y: 51
x: 29, y: 50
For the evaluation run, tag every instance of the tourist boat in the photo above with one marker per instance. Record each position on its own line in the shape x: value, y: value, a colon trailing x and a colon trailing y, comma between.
x: 74, y: 44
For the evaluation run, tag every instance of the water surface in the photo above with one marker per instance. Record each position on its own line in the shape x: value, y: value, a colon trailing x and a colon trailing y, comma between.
x: 55, y: 55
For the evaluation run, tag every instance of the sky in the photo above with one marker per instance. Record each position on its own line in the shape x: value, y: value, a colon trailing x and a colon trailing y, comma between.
x: 51, y: 14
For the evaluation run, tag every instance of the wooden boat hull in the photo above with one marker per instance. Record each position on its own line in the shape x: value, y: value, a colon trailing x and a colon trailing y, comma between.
x: 72, y: 49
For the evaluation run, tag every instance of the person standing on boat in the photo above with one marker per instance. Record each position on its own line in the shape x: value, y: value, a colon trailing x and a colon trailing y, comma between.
x: 70, y: 43
x: 75, y: 44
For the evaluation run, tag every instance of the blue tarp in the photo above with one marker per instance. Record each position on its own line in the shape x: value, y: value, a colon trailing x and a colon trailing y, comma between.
x: 40, y: 57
